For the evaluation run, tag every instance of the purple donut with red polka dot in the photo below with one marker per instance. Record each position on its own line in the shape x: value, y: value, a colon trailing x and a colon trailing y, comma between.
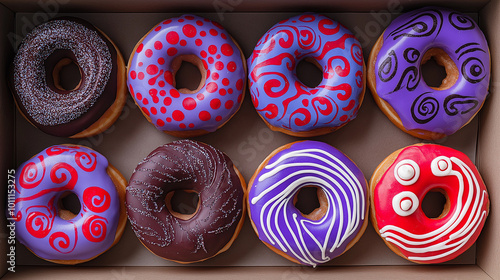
x: 151, y: 78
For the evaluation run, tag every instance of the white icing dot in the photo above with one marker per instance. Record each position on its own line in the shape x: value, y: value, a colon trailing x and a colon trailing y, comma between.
x: 406, y: 172
x: 406, y: 204
x: 443, y: 164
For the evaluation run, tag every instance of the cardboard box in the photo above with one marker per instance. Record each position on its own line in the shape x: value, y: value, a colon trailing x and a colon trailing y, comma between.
x: 247, y: 140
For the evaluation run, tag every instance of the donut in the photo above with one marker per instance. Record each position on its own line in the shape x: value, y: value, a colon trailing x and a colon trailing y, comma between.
x: 46, y: 227
x: 395, y: 74
x: 192, y: 167
x: 400, y: 184
x: 154, y: 63
x: 329, y: 230
x: 94, y: 104
x: 286, y: 104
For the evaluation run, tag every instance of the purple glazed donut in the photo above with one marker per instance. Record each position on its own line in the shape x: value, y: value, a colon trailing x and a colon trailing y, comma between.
x: 328, y: 231
x: 52, y: 232
x: 395, y: 76
x: 286, y: 104
x: 156, y: 59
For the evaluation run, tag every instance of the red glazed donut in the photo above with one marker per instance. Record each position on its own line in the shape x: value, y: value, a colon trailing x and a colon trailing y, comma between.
x: 398, y: 188
x: 156, y: 59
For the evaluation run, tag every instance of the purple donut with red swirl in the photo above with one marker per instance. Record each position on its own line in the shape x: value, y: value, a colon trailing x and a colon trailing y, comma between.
x: 41, y: 222
x: 156, y: 59
x: 285, y: 103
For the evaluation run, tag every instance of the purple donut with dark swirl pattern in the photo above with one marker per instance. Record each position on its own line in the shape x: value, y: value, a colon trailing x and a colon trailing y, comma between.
x: 455, y: 41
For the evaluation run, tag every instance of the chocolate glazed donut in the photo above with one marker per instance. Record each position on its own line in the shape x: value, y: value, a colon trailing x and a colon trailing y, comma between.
x: 190, y: 166
x: 34, y: 82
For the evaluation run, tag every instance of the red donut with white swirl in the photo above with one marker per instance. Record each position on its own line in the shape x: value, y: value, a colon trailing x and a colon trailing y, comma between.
x: 46, y: 227
x: 158, y: 56
x: 400, y: 184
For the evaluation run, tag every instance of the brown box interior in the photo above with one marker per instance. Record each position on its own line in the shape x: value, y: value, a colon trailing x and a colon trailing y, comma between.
x: 248, y: 141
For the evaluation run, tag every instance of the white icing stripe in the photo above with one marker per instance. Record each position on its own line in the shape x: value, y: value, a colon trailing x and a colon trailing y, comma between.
x: 339, y: 184
x: 471, y: 210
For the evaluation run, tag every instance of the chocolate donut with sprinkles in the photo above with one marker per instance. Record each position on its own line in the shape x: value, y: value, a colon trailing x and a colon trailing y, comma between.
x: 158, y: 56
x: 188, y: 166
x: 94, y: 104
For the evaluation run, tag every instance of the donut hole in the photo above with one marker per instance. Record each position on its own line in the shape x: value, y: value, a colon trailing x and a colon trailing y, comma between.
x: 69, y: 205
x: 189, y: 74
x: 311, y: 201
x: 182, y: 204
x: 438, y: 69
x: 66, y: 75
x: 433, y: 73
x: 435, y: 204
x: 309, y: 72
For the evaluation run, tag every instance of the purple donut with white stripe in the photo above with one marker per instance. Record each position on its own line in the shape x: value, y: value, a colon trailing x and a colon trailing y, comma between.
x: 156, y: 59
x: 280, y: 225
